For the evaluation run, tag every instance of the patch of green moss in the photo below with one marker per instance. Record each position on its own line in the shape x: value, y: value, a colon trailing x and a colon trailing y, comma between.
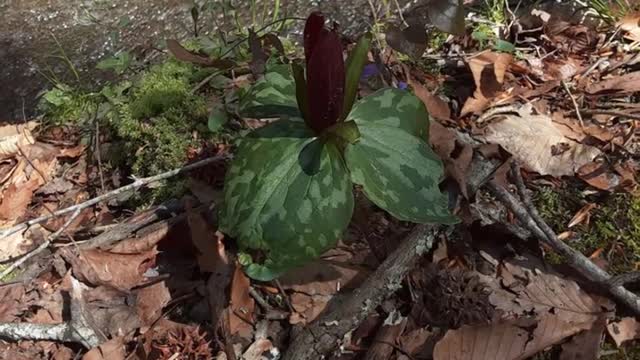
x: 165, y: 87
x: 153, y: 120
x: 437, y: 40
x: 64, y: 105
x: 614, y: 225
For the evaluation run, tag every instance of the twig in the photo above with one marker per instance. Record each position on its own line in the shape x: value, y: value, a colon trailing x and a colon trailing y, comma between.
x: 64, y: 332
x: 98, y: 155
x: 573, y: 100
x: 42, y: 246
x: 612, y: 113
x: 529, y: 217
x: 138, y: 183
x: 77, y: 330
x: 325, y: 334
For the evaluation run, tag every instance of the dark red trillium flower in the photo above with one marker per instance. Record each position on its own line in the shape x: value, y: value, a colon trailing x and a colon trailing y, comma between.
x: 325, y: 73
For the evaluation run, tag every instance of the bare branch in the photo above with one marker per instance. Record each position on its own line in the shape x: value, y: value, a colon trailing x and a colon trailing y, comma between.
x: 138, y: 183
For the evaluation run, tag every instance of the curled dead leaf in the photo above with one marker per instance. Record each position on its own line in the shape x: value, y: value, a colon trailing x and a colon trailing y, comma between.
x: 530, y: 139
x: 624, y: 330
x: 582, y: 216
x: 242, y: 306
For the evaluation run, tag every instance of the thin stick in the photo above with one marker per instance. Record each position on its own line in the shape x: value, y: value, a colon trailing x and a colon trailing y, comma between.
x: 98, y: 155
x: 575, y: 259
x: 42, y: 246
x: 575, y: 103
x: 612, y: 113
x: 138, y: 183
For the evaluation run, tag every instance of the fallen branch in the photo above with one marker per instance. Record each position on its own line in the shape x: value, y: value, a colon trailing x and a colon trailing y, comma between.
x: 345, y: 313
x: 138, y: 183
x: 529, y: 217
x: 41, y: 247
x: 77, y: 330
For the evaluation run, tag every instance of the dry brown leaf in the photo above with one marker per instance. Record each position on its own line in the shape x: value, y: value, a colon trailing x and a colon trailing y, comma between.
x: 455, y: 154
x: 151, y: 300
x: 585, y: 345
x: 582, y: 216
x: 205, y: 240
x: 542, y: 293
x: 414, y: 342
x: 436, y: 107
x: 601, y: 176
x: 121, y: 271
x: 623, y: 84
x: 624, y: 330
x: 241, y: 306
x: 531, y: 139
x: 488, y: 70
x: 113, y: 349
x: 72, y: 152
x: 511, y: 340
x: 18, y: 191
x: 12, y: 302
x: 630, y: 26
x: 384, y: 342
x: 219, y: 281
x: 261, y: 349
x: 15, y: 137
x: 315, y: 284
x: 494, y: 63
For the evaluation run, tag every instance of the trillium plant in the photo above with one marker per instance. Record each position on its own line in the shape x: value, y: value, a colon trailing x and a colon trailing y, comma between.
x: 288, y: 194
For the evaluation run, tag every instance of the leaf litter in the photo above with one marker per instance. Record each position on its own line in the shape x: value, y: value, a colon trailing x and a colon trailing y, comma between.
x: 179, y: 289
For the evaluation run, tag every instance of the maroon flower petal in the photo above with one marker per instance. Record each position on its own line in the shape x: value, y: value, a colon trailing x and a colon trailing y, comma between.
x: 325, y: 81
x: 313, y: 30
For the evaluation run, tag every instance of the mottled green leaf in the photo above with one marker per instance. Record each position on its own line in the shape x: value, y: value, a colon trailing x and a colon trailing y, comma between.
x: 271, y: 96
x: 286, y: 193
x: 394, y: 108
x: 504, y: 46
x: 400, y: 173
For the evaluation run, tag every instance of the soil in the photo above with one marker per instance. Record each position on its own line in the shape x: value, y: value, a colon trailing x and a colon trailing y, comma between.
x: 35, y: 34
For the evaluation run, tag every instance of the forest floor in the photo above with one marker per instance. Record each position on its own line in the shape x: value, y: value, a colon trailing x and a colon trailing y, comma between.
x: 110, y: 249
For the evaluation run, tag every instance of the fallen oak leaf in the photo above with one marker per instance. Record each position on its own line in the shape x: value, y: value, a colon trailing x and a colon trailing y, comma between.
x: 436, y: 107
x: 488, y: 70
x: 241, y: 306
x: 510, y: 340
x: 530, y: 138
x: 624, y: 330
x: 121, y: 271
x: 622, y: 84
x: 455, y: 154
x: 150, y: 301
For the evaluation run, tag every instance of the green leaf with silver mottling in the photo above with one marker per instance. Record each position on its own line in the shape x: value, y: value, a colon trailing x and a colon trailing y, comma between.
x: 272, y: 96
x: 286, y: 193
x: 400, y: 173
x: 394, y: 108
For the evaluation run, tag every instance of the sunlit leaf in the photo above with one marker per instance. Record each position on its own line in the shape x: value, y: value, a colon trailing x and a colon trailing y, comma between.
x: 391, y: 160
x: 272, y: 96
x: 287, y: 194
